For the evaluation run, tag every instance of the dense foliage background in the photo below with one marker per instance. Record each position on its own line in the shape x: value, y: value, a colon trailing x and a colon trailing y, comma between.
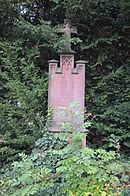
x: 29, y: 38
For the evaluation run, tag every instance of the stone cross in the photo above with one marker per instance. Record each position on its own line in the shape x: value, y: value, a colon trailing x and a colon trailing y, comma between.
x: 66, y: 83
x: 67, y: 30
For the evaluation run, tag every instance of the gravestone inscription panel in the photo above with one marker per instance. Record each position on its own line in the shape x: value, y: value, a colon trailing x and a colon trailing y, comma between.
x: 66, y: 85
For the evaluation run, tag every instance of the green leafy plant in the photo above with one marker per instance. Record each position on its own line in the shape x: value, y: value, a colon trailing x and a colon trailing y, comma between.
x: 73, y: 170
x: 86, y: 171
x: 26, y: 179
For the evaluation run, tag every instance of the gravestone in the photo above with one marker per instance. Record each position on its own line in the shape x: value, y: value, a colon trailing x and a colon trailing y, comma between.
x: 67, y: 82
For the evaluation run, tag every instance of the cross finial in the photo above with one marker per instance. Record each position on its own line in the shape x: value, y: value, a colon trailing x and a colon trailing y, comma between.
x: 67, y: 30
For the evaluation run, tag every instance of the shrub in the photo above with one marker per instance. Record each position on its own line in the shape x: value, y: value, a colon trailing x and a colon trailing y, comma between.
x: 23, y: 94
x: 73, y: 170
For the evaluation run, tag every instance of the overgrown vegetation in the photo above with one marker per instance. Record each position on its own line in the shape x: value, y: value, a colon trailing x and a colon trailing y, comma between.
x: 28, y: 39
x: 58, y: 168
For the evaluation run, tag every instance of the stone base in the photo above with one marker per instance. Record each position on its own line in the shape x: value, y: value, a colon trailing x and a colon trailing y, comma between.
x: 55, y: 127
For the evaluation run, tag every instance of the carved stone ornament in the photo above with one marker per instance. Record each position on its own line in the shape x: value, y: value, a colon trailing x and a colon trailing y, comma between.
x: 52, y: 66
x: 67, y: 29
x: 67, y: 62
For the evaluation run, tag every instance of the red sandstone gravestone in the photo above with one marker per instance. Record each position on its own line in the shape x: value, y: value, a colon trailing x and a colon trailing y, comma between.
x: 66, y: 83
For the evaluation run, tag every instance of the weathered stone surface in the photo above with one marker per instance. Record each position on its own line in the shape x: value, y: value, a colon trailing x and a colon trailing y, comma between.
x: 67, y: 30
x: 66, y: 83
